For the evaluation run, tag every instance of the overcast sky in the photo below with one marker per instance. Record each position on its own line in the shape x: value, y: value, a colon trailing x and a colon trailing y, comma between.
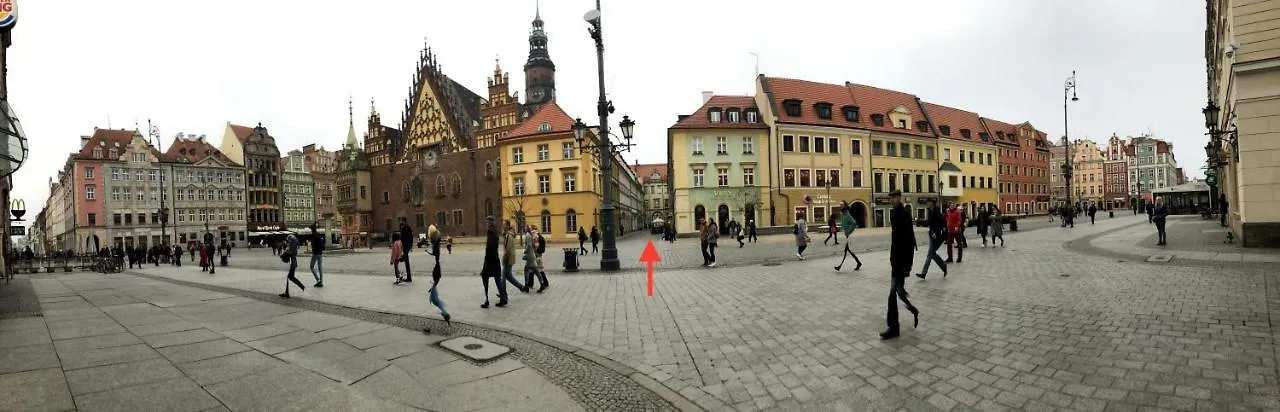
x: 191, y: 67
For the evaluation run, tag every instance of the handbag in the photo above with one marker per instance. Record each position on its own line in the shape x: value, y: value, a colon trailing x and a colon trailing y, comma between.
x: 284, y: 257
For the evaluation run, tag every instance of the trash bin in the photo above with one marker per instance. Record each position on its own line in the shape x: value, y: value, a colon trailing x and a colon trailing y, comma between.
x: 570, y: 259
x: 1013, y: 225
x: 1111, y: 213
x: 222, y: 260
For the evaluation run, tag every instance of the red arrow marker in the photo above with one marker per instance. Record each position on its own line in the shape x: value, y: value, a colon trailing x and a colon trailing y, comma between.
x: 649, y: 256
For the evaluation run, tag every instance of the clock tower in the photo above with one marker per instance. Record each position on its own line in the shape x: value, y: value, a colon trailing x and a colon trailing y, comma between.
x: 539, y: 71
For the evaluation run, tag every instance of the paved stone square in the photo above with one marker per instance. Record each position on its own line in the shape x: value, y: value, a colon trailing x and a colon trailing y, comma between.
x: 124, y: 343
x: 1031, y: 326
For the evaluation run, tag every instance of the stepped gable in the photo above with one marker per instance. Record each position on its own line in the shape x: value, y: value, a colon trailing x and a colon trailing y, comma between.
x: 439, y: 111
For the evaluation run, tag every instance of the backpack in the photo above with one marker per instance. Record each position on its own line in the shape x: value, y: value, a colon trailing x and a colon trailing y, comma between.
x: 542, y: 245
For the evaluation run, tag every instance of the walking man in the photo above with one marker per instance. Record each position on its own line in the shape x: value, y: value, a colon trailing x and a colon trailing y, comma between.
x: 847, y: 224
x: 433, y: 238
x: 937, y: 235
x: 582, y: 240
x: 290, y: 255
x: 317, y: 256
x: 509, y: 239
x: 1222, y: 208
x: 1093, y: 211
x: 831, y: 230
x: 406, y: 236
x: 491, y: 267
x: 595, y: 240
x: 702, y: 242
x: 984, y: 222
x: 1159, y: 213
x: 901, y: 252
x: 751, y: 230
x: 208, y: 247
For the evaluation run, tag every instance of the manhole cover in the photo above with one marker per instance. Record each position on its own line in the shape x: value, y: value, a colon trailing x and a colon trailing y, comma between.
x: 1160, y: 258
x: 475, y: 349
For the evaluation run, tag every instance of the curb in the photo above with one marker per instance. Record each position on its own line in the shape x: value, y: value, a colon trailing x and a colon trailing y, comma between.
x: 1085, y: 245
x: 668, y: 395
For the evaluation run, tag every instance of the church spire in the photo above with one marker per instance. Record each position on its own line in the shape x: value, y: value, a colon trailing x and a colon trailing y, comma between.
x: 351, y: 125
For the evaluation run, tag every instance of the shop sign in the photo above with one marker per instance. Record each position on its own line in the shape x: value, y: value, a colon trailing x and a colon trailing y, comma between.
x: 8, y: 13
x: 266, y: 228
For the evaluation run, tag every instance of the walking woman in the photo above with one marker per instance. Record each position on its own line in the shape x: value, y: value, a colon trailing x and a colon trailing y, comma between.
x: 955, y: 233
x: 997, y: 227
x: 509, y: 239
x: 713, y: 237
x: 702, y: 242
x: 582, y: 240
x: 984, y: 222
x: 800, y: 230
x: 831, y: 230
x: 290, y: 255
x: 397, y: 253
x: 847, y: 224
x: 595, y: 240
x: 1158, y: 215
x: 492, y: 268
x: 433, y: 237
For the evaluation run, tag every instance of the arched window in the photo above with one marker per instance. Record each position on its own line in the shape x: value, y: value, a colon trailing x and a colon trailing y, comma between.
x: 488, y: 169
x: 570, y: 221
x: 699, y: 213
x: 488, y: 207
x: 439, y: 185
x: 545, y: 221
x: 457, y: 184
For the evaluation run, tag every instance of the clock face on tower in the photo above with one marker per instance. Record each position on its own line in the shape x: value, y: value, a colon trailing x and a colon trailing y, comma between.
x: 429, y: 160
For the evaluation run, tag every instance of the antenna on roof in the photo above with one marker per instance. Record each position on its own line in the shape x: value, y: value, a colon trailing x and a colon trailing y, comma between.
x: 757, y: 55
x: 108, y: 121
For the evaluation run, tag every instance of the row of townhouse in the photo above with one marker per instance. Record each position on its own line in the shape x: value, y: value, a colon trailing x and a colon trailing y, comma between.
x: 798, y: 148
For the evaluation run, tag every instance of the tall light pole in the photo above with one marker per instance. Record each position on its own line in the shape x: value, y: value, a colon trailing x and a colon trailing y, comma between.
x: 1068, y: 90
x: 604, y: 147
x: 154, y: 133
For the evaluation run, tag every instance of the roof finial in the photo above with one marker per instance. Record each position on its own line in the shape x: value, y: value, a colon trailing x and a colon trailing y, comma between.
x: 537, y: 10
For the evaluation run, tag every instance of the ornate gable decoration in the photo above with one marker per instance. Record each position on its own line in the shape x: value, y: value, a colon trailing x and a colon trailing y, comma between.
x: 437, y: 114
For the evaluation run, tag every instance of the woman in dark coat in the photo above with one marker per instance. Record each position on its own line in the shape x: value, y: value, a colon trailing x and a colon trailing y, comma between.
x: 492, y: 268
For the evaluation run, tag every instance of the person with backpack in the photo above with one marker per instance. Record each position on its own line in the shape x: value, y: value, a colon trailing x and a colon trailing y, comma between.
x: 317, y: 256
x: 847, y: 224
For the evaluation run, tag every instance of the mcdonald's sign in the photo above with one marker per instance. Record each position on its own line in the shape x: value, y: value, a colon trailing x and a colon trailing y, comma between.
x: 18, y: 208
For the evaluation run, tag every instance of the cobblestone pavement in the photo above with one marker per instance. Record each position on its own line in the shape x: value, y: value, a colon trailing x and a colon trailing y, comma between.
x: 1031, y: 326
x: 121, y: 342
x: 684, y: 253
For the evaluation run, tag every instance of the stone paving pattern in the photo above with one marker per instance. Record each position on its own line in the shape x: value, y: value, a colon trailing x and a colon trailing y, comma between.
x: 125, y: 343
x: 1189, y: 238
x: 1028, y: 327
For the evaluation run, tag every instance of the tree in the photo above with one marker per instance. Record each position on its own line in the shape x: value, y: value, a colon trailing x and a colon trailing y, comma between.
x: 515, y: 208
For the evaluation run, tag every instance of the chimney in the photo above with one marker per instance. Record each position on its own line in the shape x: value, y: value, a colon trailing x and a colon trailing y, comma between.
x: 84, y: 140
x: 706, y: 96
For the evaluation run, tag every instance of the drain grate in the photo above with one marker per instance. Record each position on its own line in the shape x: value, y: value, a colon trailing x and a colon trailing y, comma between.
x: 1160, y: 258
x: 475, y: 349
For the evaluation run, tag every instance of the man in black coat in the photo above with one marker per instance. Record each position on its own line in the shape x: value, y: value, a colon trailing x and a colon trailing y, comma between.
x: 902, y: 250
x: 492, y: 268
x: 937, y: 236
x: 406, y: 237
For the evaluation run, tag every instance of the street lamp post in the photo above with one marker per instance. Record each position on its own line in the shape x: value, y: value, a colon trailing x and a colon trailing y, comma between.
x: 1069, y: 88
x: 604, y: 147
x: 154, y: 132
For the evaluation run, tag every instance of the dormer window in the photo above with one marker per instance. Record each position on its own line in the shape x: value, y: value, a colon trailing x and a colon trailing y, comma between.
x: 544, y: 127
x: 734, y: 115
x: 823, y: 110
x: 984, y: 136
x: 1000, y: 135
x: 964, y: 133
x: 850, y: 113
x: 113, y: 153
x: 922, y: 126
x: 902, y: 123
x: 792, y: 107
x: 713, y: 115
x: 753, y: 116
x: 877, y: 119
x: 945, y: 130
x: 97, y: 153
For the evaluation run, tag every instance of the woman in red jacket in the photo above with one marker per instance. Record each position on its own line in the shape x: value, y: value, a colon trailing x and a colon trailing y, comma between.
x: 955, y: 233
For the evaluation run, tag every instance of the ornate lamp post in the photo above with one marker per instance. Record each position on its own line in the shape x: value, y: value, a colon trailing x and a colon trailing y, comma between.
x: 1069, y: 88
x: 604, y: 149
x: 154, y: 133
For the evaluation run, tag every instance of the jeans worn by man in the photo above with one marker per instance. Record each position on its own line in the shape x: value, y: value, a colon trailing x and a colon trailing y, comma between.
x: 317, y: 268
x: 935, y: 244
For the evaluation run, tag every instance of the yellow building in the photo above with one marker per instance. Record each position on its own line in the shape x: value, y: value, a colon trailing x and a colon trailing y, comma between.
x: 968, y: 165
x: 1087, y: 181
x: 548, y: 182
x: 718, y: 158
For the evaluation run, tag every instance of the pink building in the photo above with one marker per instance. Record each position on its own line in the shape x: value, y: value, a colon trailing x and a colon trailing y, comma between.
x: 88, y: 184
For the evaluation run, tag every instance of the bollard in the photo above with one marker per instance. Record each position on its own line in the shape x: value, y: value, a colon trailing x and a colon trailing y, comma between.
x: 570, y: 259
x: 222, y: 260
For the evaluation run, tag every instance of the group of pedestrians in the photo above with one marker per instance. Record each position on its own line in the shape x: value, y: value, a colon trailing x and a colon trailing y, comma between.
x: 583, y: 238
x: 499, y: 268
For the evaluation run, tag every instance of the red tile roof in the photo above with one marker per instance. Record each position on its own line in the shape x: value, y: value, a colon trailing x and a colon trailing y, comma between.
x: 954, y: 120
x: 701, y: 120
x: 192, y: 151
x: 808, y: 93
x: 549, y: 113
x: 1002, y: 132
x: 874, y: 100
x: 644, y: 171
x: 241, y: 132
x: 107, y: 139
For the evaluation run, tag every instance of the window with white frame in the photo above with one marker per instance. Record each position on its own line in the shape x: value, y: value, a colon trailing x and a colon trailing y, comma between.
x: 517, y: 155
x: 722, y: 176
x: 517, y: 186
x: 89, y: 192
x: 567, y: 148
x: 698, y: 175
x: 544, y: 183
x: 722, y: 145
x: 748, y: 144
x: 115, y: 193
x: 544, y: 152
x: 748, y: 176
x: 570, y: 182
x: 696, y: 144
